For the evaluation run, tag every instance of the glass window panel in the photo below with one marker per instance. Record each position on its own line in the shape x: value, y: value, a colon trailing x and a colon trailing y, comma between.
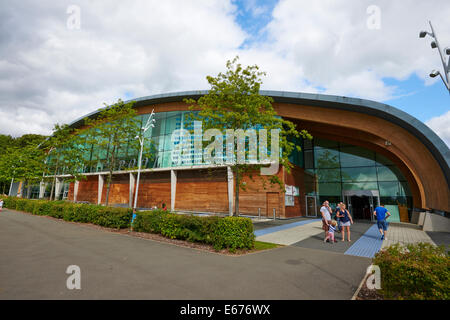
x: 172, y: 124
x: 307, y: 144
x: 322, y: 143
x: 360, y: 186
x: 404, y: 189
x: 389, y: 189
x: 329, y: 189
x: 326, y: 158
x: 167, y: 159
x: 167, y: 142
x: 357, y: 157
x: 390, y: 173
x: 360, y: 174
x: 329, y: 175
x: 309, y: 159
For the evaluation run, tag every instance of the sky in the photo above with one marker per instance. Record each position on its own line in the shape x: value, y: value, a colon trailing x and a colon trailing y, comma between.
x: 60, y: 60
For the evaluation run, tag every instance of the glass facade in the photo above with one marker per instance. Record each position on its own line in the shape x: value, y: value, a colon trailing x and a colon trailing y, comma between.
x: 331, y: 167
x: 159, y: 142
x: 157, y: 139
x: 335, y: 167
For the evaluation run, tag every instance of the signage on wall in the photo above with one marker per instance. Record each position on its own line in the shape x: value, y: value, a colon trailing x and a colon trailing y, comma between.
x: 291, y: 192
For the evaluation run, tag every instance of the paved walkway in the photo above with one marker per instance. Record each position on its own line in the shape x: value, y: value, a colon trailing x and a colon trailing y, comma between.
x: 366, y: 239
x: 405, y: 235
x: 288, y: 234
x: 35, y: 252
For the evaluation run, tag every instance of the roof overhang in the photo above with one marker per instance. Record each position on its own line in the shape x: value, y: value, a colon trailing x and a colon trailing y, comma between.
x: 429, y: 138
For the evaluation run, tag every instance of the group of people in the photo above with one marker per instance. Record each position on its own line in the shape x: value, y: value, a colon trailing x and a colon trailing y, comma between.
x: 340, y: 221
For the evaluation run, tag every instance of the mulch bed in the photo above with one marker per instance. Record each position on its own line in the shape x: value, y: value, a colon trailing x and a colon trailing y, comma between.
x: 368, y: 294
x: 156, y: 237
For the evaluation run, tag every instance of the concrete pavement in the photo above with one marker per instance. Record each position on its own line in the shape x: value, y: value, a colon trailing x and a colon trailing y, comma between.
x: 36, y: 251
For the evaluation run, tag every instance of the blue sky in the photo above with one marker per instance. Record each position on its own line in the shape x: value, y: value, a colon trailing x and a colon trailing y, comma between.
x: 412, y: 95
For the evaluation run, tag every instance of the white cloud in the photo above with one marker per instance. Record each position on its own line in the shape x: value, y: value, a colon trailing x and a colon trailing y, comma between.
x: 138, y: 48
x: 441, y: 125
x: 51, y: 74
x: 331, y: 41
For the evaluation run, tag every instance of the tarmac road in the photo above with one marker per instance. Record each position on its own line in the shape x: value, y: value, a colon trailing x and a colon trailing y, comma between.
x: 35, y: 252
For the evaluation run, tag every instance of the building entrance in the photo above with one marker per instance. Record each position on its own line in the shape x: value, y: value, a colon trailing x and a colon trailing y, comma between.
x: 361, y: 203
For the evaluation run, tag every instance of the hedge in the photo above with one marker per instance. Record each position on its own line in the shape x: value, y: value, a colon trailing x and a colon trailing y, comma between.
x: 96, y: 214
x: 420, y: 271
x: 222, y: 233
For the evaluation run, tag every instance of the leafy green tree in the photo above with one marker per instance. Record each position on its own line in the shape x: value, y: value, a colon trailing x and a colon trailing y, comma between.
x: 115, y: 127
x: 234, y: 102
x: 25, y: 163
x: 65, y: 155
x: 6, y: 141
x: 19, y: 159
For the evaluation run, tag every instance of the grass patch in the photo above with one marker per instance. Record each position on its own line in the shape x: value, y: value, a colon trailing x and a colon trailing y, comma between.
x: 259, y: 245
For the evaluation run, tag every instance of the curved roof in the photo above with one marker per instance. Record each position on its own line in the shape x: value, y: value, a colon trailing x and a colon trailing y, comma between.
x: 431, y: 140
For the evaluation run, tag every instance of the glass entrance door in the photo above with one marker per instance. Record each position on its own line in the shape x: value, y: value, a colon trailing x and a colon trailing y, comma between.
x: 361, y: 203
x: 311, y: 206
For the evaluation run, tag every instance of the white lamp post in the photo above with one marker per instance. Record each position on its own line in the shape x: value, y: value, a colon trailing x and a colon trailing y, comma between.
x: 435, y: 45
x: 149, y: 124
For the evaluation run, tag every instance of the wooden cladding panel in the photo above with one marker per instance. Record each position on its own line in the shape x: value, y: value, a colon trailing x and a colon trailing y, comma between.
x: 88, y: 190
x: 206, y: 196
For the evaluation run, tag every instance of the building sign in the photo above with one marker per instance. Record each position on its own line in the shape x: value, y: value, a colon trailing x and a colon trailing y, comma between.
x: 291, y: 192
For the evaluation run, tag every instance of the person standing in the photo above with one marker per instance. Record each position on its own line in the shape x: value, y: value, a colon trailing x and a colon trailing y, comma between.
x: 338, y: 220
x: 325, y: 210
x: 382, y: 214
x: 346, y: 221
x: 1, y: 204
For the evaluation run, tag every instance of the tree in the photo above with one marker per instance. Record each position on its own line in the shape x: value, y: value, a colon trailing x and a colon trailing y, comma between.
x: 115, y: 127
x: 65, y: 154
x: 26, y: 164
x: 20, y: 158
x: 234, y: 102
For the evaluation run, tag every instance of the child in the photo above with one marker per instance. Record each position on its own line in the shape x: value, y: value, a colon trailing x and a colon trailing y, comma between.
x: 331, y: 230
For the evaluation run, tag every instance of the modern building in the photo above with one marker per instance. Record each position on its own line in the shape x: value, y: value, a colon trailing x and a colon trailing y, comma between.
x: 363, y: 153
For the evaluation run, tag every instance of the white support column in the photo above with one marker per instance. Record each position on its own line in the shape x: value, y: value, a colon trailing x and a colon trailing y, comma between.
x: 132, y: 184
x: 101, y: 180
x: 75, y: 190
x: 230, y: 179
x: 42, y: 187
x: 58, y: 186
x: 173, y: 188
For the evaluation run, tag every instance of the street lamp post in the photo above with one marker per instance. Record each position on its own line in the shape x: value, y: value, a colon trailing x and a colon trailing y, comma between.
x: 446, y: 65
x: 149, y: 124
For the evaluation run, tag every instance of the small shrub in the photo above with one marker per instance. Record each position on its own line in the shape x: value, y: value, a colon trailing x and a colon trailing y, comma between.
x: 20, y: 204
x: 41, y: 207
x: 10, y: 202
x: 420, y: 271
x: 56, y: 210
x: 149, y: 221
x: 234, y: 233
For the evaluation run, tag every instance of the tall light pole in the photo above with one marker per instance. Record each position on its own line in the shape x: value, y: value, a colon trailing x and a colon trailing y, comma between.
x: 446, y: 65
x: 149, y: 124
